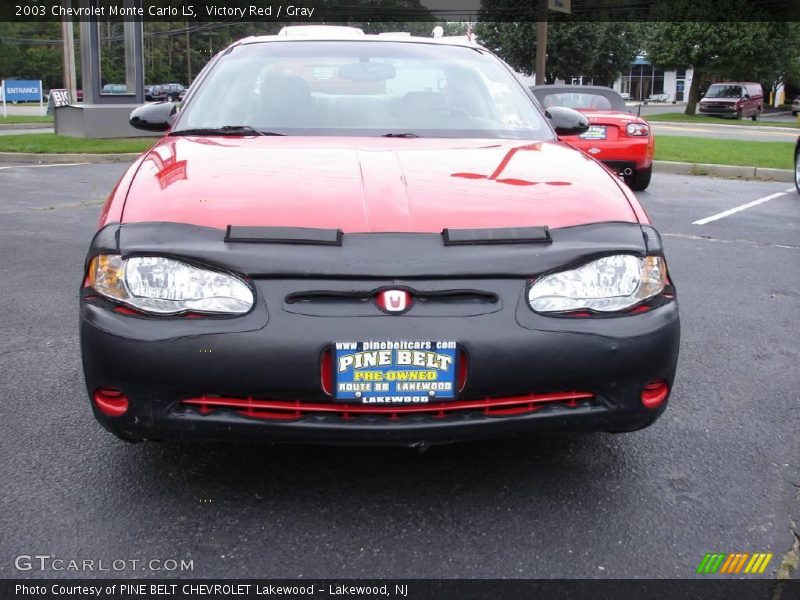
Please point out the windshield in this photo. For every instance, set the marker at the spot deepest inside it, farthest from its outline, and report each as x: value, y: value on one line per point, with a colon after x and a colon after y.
x: 580, y: 100
x: 364, y: 88
x: 724, y: 91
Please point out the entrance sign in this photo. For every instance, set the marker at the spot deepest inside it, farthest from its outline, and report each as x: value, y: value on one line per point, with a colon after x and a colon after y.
x: 21, y: 90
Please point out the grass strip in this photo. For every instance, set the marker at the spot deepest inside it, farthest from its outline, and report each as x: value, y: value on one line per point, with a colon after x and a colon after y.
x: 50, y: 143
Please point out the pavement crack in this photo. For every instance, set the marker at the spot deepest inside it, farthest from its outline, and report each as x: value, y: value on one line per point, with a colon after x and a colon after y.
x: 791, y: 559
x: 708, y: 238
x: 59, y: 207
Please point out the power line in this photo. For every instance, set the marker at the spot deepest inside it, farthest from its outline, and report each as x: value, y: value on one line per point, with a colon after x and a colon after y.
x: 151, y: 34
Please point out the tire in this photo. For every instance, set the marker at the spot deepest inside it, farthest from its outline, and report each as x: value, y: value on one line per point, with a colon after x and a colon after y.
x: 794, y: 113
x: 797, y: 171
x: 169, y: 98
x: 756, y: 115
x: 640, y: 179
x: 738, y: 115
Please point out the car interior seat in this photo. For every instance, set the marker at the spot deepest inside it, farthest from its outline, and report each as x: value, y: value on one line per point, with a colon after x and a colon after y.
x: 284, y: 101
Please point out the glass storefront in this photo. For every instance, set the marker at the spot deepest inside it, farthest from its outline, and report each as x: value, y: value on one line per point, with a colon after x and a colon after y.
x: 643, y: 81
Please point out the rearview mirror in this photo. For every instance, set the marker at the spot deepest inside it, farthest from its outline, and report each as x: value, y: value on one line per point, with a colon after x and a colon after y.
x: 567, y: 121
x: 154, y: 117
x: 367, y: 72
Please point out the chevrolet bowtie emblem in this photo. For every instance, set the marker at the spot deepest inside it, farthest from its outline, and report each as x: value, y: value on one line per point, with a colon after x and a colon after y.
x: 394, y: 301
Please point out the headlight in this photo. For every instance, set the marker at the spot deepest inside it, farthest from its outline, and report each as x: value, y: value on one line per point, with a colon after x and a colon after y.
x: 637, y: 129
x: 165, y: 286
x: 607, y: 284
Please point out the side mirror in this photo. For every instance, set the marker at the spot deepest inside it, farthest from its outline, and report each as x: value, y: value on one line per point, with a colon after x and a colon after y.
x: 567, y: 121
x: 746, y: 96
x: 154, y: 117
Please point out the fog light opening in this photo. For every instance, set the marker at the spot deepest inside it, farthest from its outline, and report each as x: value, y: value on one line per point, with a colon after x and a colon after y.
x: 326, y: 372
x: 655, y: 393
x: 463, y: 369
x: 110, y: 401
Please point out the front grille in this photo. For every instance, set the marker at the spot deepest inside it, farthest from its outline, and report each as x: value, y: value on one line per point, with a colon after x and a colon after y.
x: 283, y: 410
x: 716, y: 107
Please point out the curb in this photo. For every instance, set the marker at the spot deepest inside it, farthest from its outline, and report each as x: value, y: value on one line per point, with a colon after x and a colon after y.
x: 34, y: 127
x: 684, y: 168
x: 28, y: 157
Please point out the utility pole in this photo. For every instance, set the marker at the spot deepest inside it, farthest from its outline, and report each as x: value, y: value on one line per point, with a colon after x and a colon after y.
x: 129, y: 37
x: 68, y: 41
x: 541, y: 41
x: 188, y: 58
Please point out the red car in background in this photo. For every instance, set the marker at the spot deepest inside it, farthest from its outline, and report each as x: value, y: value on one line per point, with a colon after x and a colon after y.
x: 620, y: 140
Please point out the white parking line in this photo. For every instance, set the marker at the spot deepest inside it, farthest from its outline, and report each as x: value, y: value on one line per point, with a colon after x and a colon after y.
x: 740, y: 208
x: 43, y: 166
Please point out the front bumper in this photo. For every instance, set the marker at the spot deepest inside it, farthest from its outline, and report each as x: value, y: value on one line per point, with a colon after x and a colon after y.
x: 222, y: 378
x: 508, y: 356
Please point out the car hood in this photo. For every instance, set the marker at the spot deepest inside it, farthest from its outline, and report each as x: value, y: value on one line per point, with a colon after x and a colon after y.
x: 372, y: 184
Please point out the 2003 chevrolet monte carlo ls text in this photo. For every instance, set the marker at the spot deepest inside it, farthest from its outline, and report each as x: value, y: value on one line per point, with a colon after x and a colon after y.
x: 364, y: 239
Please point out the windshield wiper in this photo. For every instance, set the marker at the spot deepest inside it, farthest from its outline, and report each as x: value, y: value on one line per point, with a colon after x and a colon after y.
x: 400, y: 135
x: 224, y: 130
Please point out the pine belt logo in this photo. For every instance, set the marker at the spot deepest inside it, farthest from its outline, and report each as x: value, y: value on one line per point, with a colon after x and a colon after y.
x: 395, y: 372
x: 736, y: 563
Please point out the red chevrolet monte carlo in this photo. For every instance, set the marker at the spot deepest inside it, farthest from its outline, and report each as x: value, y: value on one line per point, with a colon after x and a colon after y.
x: 371, y: 240
x: 620, y: 140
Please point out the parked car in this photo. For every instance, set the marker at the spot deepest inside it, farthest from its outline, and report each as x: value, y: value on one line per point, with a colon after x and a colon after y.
x: 619, y: 139
x: 734, y: 100
x: 148, y: 92
x: 403, y: 261
x: 796, y: 106
x: 114, y: 88
x: 169, y: 92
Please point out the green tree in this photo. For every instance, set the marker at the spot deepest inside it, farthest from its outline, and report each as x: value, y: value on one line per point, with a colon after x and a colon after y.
x: 749, y: 50
x: 45, y: 63
x: 600, y: 50
x: 31, y: 51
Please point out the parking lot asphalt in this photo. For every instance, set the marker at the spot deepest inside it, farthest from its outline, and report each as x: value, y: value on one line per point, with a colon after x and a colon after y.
x: 719, y: 472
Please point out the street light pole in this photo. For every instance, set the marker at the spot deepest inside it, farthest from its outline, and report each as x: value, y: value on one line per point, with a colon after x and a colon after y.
x: 188, y: 58
x: 541, y: 41
x: 68, y: 40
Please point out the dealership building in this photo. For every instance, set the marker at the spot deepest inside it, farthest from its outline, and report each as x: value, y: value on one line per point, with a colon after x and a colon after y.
x: 645, y: 81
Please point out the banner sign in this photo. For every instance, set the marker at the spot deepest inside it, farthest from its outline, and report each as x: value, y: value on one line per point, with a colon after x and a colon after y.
x: 59, y: 98
x: 411, y: 589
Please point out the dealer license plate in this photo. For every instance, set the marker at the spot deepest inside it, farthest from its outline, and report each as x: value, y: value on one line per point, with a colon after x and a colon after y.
x: 385, y: 372
x: 595, y: 132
